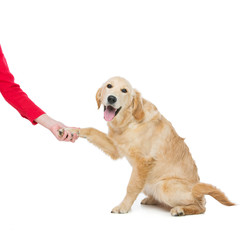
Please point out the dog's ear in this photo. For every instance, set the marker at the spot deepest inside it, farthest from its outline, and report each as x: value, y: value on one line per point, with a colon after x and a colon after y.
x: 98, y: 97
x: 138, y: 112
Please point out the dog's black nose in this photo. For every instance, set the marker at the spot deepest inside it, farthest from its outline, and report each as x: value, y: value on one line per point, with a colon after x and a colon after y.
x: 111, y: 99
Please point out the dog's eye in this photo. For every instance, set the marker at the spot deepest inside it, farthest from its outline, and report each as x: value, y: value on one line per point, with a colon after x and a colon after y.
x: 124, y: 90
x: 109, y: 86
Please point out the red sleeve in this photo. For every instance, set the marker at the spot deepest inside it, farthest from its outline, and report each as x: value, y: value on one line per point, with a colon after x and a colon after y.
x: 14, y: 95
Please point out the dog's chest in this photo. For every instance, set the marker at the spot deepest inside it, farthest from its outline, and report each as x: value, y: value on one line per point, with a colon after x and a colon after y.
x: 126, y: 139
x: 124, y: 145
x: 128, y: 142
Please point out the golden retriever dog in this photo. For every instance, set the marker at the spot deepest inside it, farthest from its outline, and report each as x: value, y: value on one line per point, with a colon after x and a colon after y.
x: 162, y: 166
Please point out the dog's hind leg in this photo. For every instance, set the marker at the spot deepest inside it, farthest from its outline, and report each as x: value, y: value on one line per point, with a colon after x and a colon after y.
x: 177, y: 193
x: 149, y: 201
x: 188, y: 210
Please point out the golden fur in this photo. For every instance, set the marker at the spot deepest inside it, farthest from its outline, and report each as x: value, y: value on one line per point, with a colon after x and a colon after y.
x: 162, y: 166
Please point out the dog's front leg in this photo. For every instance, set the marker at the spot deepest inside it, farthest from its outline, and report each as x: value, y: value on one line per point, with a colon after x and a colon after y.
x: 97, y: 138
x: 135, y: 186
x: 100, y: 140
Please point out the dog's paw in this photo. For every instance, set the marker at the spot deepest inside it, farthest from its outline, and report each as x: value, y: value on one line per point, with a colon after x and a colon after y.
x: 149, y: 201
x: 61, y: 132
x: 71, y: 130
x: 120, y: 209
x: 177, y: 211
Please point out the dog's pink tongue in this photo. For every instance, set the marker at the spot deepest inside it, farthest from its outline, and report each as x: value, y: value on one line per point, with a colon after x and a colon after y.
x: 109, y: 114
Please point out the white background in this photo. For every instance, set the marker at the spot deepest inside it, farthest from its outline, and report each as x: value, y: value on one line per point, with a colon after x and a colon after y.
x: 184, y: 56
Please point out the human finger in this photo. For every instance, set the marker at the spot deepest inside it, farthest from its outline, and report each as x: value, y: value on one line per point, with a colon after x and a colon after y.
x: 74, y: 138
x: 68, y: 137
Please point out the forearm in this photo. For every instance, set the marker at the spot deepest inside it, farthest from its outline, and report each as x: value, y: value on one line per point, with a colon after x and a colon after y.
x: 14, y: 95
x: 46, y: 121
x: 17, y: 98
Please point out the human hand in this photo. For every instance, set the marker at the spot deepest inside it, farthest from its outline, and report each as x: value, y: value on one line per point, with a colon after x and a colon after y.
x: 67, y: 136
x: 54, y: 126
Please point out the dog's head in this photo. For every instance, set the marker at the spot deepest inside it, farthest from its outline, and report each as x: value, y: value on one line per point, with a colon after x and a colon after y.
x: 118, y: 97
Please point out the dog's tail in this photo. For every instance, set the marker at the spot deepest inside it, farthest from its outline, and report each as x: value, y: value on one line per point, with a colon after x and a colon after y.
x: 201, y: 189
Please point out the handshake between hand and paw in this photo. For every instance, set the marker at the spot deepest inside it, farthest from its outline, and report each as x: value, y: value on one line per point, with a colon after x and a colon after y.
x: 75, y: 133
